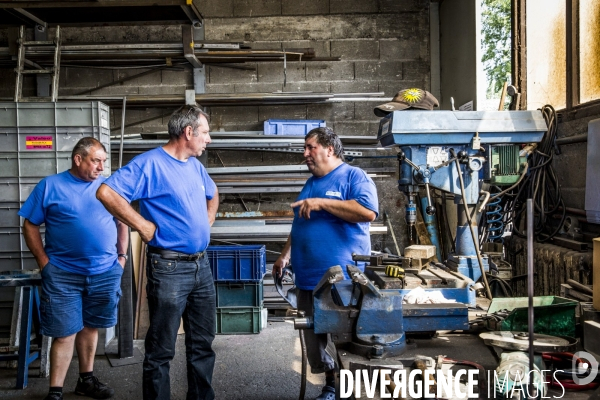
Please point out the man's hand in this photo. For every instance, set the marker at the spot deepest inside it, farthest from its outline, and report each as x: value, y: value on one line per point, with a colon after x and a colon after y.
x: 122, y: 261
x: 279, y: 265
x: 42, y: 262
x: 147, y: 232
x: 308, y: 205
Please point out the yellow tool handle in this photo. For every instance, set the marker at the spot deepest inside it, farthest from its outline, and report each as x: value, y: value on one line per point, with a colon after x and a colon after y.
x: 394, y: 271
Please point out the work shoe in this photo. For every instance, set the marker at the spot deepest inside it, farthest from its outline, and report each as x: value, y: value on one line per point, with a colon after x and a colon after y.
x: 328, y: 393
x: 93, y: 388
x: 54, y: 396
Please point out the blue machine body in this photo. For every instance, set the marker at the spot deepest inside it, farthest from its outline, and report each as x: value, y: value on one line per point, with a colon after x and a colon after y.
x: 429, y: 138
x: 373, y: 322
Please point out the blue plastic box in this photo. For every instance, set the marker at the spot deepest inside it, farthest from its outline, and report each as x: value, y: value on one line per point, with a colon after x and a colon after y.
x: 291, y: 127
x: 246, y: 263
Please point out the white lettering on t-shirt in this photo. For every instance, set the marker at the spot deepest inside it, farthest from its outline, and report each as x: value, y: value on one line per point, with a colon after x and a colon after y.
x: 334, y: 194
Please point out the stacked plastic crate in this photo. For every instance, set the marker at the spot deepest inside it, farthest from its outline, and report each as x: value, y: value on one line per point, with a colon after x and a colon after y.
x: 238, y: 274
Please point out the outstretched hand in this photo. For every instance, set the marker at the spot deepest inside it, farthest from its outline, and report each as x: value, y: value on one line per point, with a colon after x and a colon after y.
x: 306, y: 206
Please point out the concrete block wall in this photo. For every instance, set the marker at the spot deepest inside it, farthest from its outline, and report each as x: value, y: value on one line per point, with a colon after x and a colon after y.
x: 383, y: 46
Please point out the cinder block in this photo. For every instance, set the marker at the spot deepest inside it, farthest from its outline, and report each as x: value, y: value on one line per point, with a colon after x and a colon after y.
x: 266, y: 87
x: 306, y: 7
x: 419, y: 251
x: 355, y: 86
x: 316, y: 87
x: 118, y: 90
x: 270, y: 28
x: 152, y: 78
x: 364, y: 111
x: 351, y: 128
x: 379, y: 70
x: 166, y: 90
x: 320, y: 47
x: 331, y: 112
x: 415, y: 70
x: 219, y: 87
x: 86, y: 77
x: 215, y: 9
x: 395, y: 6
x: 224, y: 126
x: 295, y: 111
x: 373, y: 129
x: 233, y: 115
x: 402, y: 26
x: 273, y: 71
x: 397, y: 50
x: 185, y: 77
x: 355, y: 49
x: 256, y: 8
x: 352, y: 6
x: 354, y: 26
x: 124, y: 33
x: 230, y: 75
x: 326, y: 71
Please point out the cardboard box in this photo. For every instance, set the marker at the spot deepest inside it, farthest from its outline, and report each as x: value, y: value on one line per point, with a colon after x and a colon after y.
x: 596, y: 273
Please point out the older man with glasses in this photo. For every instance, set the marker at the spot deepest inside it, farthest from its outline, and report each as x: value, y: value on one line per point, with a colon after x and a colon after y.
x: 178, y: 203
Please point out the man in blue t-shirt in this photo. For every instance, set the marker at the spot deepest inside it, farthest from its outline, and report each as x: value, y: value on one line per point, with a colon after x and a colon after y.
x: 81, y: 265
x: 178, y: 203
x: 331, y: 221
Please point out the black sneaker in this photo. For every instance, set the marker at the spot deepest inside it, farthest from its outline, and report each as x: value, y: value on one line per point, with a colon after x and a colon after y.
x: 93, y: 388
x: 54, y: 396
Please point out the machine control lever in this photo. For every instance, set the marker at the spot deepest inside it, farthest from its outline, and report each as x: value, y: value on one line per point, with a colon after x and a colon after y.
x: 430, y: 210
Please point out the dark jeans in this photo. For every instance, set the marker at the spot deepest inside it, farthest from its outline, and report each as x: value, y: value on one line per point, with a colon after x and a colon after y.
x: 179, y: 289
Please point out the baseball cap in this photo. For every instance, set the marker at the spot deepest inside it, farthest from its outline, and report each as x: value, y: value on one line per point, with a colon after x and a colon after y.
x: 408, y: 98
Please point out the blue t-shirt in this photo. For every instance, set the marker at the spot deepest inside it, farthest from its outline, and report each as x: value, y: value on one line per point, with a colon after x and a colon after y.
x: 325, y: 240
x: 172, y: 194
x: 81, y: 236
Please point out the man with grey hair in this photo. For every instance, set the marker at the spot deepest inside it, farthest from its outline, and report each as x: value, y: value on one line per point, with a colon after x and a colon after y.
x: 178, y: 203
x: 81, y: 265
x: 331, y: 221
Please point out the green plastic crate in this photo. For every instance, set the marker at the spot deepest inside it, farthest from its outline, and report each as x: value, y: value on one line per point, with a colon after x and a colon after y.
x: 238, y: 320
x: 239, y: 294
x: 553, y: 315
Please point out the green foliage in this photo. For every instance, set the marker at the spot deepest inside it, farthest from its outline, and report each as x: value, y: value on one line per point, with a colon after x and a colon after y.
x: 496, y: 41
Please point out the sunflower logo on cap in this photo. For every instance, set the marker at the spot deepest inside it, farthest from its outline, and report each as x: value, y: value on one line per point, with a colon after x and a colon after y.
x: 412, y: 98
x: 412, y: 95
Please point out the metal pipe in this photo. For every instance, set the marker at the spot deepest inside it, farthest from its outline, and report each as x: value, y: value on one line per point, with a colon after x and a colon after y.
x: 473, y: 234
x: 122, y: 131
x: 530, y: 234
x: 573, y: 139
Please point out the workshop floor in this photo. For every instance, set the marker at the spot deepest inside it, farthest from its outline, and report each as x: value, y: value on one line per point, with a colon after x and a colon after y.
x: 250, y: 367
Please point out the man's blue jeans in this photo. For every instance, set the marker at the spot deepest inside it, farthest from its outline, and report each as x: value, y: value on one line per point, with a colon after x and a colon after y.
x: 179, y: 289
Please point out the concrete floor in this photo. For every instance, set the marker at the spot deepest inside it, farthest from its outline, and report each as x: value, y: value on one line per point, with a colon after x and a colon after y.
x: 250, y: 367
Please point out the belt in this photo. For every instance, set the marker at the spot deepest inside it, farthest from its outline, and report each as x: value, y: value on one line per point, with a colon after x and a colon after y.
x: 175, y: 255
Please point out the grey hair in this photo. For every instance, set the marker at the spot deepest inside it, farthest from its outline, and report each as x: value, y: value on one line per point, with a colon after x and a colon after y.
x: 184, y: 116
x: 326, y: 137
x: 83, y: 146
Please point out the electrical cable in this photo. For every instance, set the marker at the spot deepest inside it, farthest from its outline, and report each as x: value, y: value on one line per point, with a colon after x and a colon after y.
x: 541, y: 185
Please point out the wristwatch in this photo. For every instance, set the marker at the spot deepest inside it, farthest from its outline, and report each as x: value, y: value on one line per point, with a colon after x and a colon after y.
x: 124, y: 256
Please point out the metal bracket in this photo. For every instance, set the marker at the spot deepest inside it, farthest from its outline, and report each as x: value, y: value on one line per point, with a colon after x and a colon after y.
x: 187, y: 37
